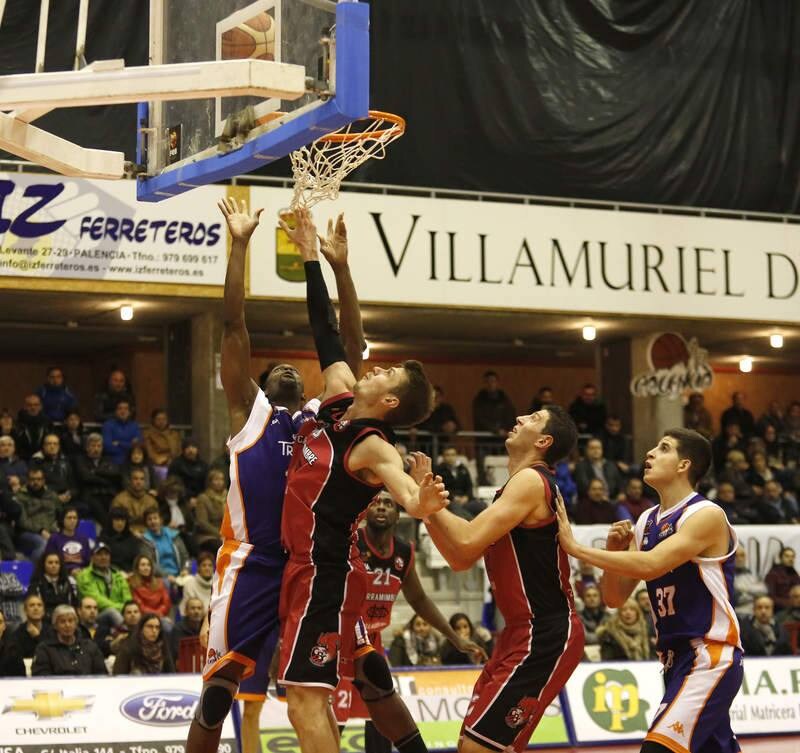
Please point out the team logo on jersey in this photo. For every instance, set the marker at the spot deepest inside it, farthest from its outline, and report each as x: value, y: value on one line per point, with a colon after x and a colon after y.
x: 611, y: 698
x: 213, y: 656
x: 341, y: 425
x: 645, y: 540
x: 377, y: 612
x: 399, y: 563
x: 677, y: 728
x: 515, y: 717
x: 325, y: 649
x: 316, y: 433
x: 665, y: 530
x: 648, y: 525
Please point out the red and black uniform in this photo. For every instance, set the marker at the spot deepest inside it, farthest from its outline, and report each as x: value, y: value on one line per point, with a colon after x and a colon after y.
x: 324, y: 585
x: 542, y: 641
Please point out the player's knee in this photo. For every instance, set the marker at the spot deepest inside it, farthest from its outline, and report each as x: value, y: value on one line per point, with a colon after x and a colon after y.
x: 215, y: 702
x: 375, y: 678
x: 252, y: 709
x: 306, y: 706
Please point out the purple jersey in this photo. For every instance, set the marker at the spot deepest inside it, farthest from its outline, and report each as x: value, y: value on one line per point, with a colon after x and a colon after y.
x: 693, y: 600
x: 260, y: 454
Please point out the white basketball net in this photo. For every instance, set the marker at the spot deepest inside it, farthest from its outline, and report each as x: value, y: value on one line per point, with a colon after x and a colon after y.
x: 319, y: 168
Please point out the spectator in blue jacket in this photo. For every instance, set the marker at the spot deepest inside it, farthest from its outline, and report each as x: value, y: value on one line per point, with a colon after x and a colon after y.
x: 170, y: 552
x: 57, y: 399
x: 120, y: 433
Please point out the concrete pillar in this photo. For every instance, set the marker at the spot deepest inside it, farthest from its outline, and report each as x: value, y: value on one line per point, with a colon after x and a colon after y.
x: 209, y: 408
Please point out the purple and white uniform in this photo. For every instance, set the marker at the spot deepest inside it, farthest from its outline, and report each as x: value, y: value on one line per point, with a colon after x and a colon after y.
x: 697, y: 638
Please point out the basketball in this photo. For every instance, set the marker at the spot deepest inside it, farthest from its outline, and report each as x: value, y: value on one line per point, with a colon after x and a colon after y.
x: 668, y: 349
x: 255, y: 38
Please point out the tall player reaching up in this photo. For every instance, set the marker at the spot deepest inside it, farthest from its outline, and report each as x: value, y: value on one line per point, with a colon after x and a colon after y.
x: 542, y: 641
x: 245, y: 593
x: 339, y: 463
x: 685, y: 550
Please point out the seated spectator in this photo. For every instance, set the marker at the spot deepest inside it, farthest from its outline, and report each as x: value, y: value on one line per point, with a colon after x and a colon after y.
x: 210, y: 511
x: 37, y: 520
x: 697, y: 417
x: 617, y: 447
x: 136, y: 501
x: 12, y: 596
x: 8, y: 426
x: 170, y: 552
x: 730, y: 438
x: 738, y: 414
x: 737, y: 511
x: 761, y: 634
x: 163, y: 443
x: 643, y: 600
x: 11, y: 663
x: 458, y: 482
x: 773, y: 447
x: 146, y: 651
x: 57, y: 469
x: 74, y: 548
x: 735, y: 470
x: 98, y: 478
x: 416, y: 645
x: 88, y: 626
x: 588, y: 411
x: 543, y: 397
x: 199, y: 586
x: 109, y: 639
x: 773, y: 417
x: 66, y: 652
x: 190, y: 468
x: 26, y: 636
x: 188, y: 627
x: 792, y: 612
x: 148, y: 590
x: 223, y: 463
x: 595, y: 466
x: 567, y: 485
x: 138, y: 460
x: 52, y: 582
x: 105, y: 584
x: 635, y: 502
x: 120, y: 433
x: 596, y: 507
x: 747, y: 586
x: 759, y: 472
x: 781, y: 577
x: 57, y: 399
x: 72, y: 435
x: 176, y: 509
x: 124, y: 545
x: 493, y: 412
x: 10, y: 512
x: 117, y: 390
x: 593, y: 614
x: 443, y: 419
x: 776, y: 506
x: 464, y: 629
x: 32, y: 426
x: 625, y: 635
x: 10, y: 463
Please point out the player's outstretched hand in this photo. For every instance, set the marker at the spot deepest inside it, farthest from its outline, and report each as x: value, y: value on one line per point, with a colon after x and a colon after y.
x: 476, y: 654
x: 303, y: 234
x: 334, y: 245
x: 419, y: 464
x: 619, y: 536
x: 565, y: 535
x: 241, y: 223
x: 432, y: 496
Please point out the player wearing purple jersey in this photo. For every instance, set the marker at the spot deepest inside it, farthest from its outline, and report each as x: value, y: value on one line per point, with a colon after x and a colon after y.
x: 685, y: 550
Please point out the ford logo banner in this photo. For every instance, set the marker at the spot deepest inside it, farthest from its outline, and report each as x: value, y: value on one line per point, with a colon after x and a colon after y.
x: 167, y: 708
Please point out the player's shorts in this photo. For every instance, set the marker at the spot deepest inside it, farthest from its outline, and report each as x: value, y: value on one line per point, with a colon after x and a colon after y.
x: 319, y: 610
x: 530, y: 664
x: 255, y: 687
x: 701, y: 682
x: 244, y: 607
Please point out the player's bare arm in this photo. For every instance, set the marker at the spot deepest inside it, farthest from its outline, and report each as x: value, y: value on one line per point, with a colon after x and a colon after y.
x: 377, y: 462
x: 337, y: 374
x: 240, y: 389
x: 616, y: 589
x: 462, y: 543
x: 423, y: 605
x: 704, y: 534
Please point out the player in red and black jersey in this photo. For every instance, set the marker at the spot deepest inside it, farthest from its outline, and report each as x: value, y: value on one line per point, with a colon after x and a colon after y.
x: 339, y: 462
x: 542, y: 641
x: 389, y: 562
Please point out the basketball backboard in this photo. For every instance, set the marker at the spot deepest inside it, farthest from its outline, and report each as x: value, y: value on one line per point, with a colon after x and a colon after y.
x: 186, y: 143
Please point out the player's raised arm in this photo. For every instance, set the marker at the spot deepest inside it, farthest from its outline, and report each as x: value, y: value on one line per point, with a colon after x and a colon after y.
x: 240, y: 389
x: 337, y: 374
x: 334, y: 248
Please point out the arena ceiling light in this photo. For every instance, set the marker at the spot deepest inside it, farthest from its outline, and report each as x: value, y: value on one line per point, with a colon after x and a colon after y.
x: 746, y: 364
x: 126, y: 312
x: 589, y: 332
x: 776, y: 340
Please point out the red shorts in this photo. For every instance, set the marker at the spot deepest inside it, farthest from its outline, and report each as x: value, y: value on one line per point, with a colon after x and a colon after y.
x: 319, y: 608
x: 347, y: 701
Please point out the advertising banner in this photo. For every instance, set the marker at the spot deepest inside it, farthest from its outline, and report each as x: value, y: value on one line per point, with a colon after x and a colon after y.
x: 437, y: 699
x: 613, y: 701
x: 101, y: 714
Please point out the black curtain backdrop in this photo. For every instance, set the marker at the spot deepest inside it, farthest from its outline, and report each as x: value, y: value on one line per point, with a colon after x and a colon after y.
x: 662, y: 101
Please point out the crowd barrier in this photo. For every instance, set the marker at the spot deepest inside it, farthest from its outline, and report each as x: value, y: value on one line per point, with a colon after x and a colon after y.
x: 603, y: 702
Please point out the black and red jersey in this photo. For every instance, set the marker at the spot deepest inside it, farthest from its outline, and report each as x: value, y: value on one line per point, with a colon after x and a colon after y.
x: 528, y: 570
x: 385, y: 577
x: 324, y: 501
